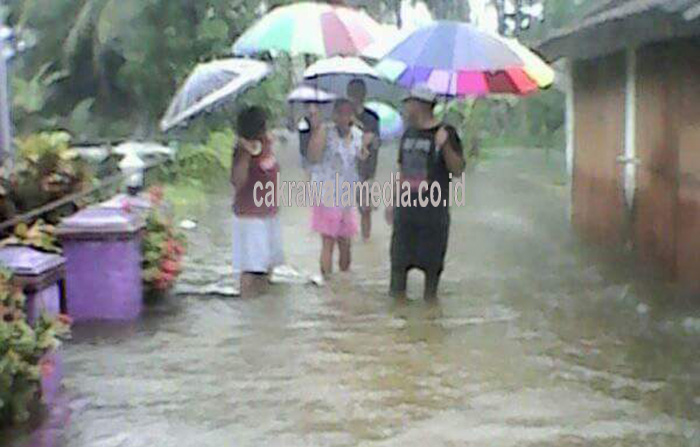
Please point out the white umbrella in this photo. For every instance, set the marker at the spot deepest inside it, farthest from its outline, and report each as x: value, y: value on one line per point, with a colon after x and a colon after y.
x: 304, y: 95
x: 210, y: 84
x: 334, y: 74
x: 310, y: 94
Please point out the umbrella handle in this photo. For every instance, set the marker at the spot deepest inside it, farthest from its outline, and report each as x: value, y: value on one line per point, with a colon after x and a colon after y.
x: 443, y: 121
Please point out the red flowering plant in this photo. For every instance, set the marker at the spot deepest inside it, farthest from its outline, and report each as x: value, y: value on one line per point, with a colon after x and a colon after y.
x: 23, y: 350
x: 163, y: 248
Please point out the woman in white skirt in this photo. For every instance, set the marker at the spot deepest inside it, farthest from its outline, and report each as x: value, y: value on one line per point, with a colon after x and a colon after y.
x: 257, y: 236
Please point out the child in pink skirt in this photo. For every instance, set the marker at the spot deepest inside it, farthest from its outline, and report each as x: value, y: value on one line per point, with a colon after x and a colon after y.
x: 333, y: 151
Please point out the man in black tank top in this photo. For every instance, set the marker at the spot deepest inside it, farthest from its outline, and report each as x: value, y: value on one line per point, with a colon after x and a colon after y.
x: 429, y: 152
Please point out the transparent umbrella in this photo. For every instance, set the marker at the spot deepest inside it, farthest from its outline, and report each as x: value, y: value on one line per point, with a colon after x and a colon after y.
x: 210, y: 85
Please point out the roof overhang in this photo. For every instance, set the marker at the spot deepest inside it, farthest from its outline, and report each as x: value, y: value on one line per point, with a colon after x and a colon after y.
x: 634, y: 23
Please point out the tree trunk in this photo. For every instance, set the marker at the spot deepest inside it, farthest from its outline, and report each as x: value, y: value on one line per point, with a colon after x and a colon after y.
x: 464, y: 10
x: 441, y: 9
x: 397, y: 11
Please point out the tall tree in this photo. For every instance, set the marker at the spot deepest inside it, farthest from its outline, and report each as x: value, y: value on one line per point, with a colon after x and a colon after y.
x: 127, y: 56
x: 449, y: 9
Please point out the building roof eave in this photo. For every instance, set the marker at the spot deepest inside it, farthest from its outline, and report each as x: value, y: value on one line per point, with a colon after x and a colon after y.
x: 632, y: 24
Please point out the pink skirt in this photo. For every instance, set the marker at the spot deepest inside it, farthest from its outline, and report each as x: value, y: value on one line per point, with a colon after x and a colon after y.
x: 334, y: 222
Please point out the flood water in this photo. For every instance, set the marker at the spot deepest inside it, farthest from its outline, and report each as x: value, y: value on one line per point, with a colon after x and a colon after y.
x: 536, y: 341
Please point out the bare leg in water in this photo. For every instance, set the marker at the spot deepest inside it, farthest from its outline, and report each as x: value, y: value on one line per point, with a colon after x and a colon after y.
x: 327, y: 255
x: 366, y: 222
x: 344, y: 245
x: 253, y: 284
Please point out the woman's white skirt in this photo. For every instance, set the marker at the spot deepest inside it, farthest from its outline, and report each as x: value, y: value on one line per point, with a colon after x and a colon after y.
x: 257, y: 244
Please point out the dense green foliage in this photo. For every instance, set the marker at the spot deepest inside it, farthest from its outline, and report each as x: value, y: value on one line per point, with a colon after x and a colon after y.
x: 200, y: 164
x: 537, y: 120
x: 47, y: 168
x: 106, y: 69
x: 39, y: 236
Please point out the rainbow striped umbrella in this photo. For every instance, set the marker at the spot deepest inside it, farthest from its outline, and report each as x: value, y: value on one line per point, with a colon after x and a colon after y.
x: 457, y: 60
x: 310, y: 28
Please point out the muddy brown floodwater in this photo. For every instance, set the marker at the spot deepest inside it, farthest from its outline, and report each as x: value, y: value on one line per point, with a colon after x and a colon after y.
x: 536, y: 341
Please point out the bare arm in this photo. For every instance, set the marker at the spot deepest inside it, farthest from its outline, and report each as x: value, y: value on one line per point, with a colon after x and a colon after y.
x: 453, y: 160
x: 317, y: 143
x: 240, y: 167
x: 367, y: 140
x: 451, y: 154
x: 389, y: 212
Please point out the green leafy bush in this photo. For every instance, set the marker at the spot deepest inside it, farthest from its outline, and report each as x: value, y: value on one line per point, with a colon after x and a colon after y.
x: 272, y: 92
x: 205, y: 164
x: 39, y: 236
x: 22, y: 350
x: 30, y: 97
x: 533, y: 121
x: 47, y: 169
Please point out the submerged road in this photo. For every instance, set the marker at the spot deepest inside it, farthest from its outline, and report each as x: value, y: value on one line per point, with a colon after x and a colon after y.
x: 536, y: 341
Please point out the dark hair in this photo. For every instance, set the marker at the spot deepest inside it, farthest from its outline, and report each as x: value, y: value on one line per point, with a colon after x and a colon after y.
x: 340, y: 102
x: 357, y: 82
x: 251, y: 122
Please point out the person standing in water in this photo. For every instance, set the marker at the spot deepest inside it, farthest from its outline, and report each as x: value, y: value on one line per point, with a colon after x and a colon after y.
x: 369, y: 122
x: 429, y: 153
x: 257, y: 236
x: 334, y: 150
x: 304, y: 131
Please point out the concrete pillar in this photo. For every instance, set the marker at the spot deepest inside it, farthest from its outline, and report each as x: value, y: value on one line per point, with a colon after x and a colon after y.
x: 102, y: 247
